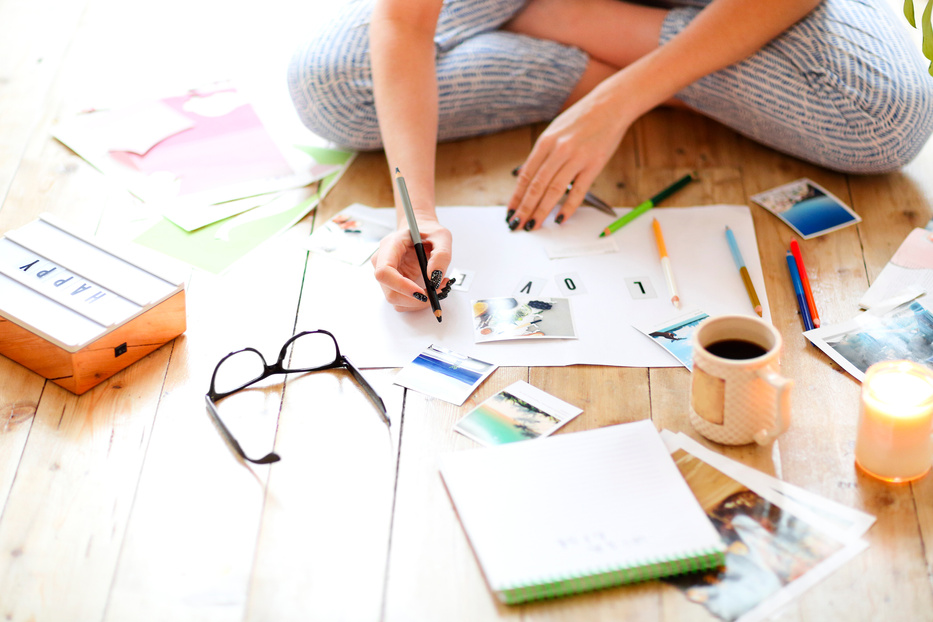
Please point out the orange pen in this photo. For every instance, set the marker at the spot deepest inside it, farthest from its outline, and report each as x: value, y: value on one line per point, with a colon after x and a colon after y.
x: 666, y: 263
x: 795, y: 250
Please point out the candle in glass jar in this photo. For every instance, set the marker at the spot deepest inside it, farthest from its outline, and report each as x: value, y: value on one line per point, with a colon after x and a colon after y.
x: 895, y: 421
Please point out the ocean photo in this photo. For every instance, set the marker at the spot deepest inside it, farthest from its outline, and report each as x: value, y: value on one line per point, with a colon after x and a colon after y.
x: 518, y: 413
x: 816, y: 215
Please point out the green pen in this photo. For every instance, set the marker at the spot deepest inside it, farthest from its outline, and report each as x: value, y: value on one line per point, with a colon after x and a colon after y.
x: 647, y: 205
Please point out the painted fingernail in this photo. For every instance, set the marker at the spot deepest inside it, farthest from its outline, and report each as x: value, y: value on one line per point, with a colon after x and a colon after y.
x: 509, y: 215
x: 443, y: 293
x: 513, y: 224
x: 559, y: 219
x: 530, y: 225
x: 420, y: 297
x: 436, y: 277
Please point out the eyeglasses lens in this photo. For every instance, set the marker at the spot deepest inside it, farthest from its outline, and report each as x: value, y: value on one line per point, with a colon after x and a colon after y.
x: 310, y: 351
x: 238, y: 370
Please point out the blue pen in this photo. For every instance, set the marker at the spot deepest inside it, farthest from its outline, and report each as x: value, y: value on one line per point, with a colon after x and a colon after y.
x: 798, y: 289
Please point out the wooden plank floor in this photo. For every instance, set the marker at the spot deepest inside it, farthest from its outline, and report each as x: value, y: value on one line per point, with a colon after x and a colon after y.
x: 125, y: 504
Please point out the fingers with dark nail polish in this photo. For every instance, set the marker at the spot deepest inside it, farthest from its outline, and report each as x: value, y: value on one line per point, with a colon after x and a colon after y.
x: 559, y: 219
x: 420, y: 297
x: 509, y: 215
x: 530, y: 225
x: 513, y: 224
x: 436, y: 277
x: 443, y: 293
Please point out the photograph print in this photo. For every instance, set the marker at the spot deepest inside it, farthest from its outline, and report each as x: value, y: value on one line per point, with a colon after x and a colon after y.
x: 349, y: 236
x: 520, y: 412
x: 807, y: 208
x: 903, y: 333
x: 674, y: 334
x: 522, y: 317
x: 768, y: 548
x: 444, y: 374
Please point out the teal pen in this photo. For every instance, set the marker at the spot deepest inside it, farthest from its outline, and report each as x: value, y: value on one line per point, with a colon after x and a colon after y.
x: 798, y: 290
x: 743, y: 271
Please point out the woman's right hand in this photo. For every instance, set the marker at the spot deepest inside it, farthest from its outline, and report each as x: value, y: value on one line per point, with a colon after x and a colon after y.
x: 397, y: 269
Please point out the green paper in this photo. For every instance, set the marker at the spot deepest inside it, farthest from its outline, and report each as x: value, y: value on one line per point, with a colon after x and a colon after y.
x: 202, y: 248
x: 323, y: 155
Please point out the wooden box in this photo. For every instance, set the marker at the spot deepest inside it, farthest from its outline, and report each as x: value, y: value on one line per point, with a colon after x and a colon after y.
x: 77, y: 312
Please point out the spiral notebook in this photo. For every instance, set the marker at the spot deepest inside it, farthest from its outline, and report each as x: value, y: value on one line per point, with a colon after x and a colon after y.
x: 579, y: 512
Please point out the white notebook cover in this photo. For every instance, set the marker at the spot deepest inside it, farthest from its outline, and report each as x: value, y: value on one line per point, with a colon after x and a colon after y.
x: 580, y: 511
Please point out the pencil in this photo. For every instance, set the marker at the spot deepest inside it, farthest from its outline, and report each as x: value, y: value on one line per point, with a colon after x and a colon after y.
x: 798, y: 290
x: 805, y: 280
x: 419, y: 247
x: 666, y: 263
x: 647, y: 205
x: 740, y: 264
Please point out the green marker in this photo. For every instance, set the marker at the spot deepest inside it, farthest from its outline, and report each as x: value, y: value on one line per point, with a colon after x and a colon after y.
x: 647, y: 205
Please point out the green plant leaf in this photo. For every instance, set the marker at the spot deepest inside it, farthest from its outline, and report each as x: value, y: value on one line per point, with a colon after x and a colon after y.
x: 909, y: 12
x: 927, y: 29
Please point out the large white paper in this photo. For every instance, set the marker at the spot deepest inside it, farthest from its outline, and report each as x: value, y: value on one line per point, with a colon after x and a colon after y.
x: 621, y: 289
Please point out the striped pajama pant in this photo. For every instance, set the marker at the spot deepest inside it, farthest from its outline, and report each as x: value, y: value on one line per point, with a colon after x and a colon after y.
x: 844, y: 88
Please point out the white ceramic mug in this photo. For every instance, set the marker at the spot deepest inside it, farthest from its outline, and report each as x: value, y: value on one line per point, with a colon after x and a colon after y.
x: 737, y: 395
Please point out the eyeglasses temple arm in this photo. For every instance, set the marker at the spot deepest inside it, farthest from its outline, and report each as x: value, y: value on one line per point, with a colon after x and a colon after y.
x: 269, y: 458
x: 370, y: 391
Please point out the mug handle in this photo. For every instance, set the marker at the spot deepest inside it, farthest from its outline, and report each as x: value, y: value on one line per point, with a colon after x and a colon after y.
x: 782, y: 387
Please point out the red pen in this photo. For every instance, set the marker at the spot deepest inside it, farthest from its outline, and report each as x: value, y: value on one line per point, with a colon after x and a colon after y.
x: 798, y: 258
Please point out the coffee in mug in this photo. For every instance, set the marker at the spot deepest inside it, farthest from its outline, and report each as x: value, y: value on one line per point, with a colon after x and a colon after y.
x: 737, y: 395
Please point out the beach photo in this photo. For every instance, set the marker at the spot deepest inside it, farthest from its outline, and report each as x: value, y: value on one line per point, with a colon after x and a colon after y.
x: 444, y: 374
x: 518, y: 413
x: 807, y: 208
x: 674, y: 334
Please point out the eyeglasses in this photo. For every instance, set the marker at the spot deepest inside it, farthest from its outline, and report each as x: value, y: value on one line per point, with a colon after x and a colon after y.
x: 313, y: 350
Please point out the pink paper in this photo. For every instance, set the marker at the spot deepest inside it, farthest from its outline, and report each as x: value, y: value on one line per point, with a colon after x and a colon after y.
x: 916, y: 251
x: 218, y: 151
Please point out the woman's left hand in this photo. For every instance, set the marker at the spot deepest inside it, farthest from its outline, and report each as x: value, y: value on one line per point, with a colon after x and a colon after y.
x: 574, y: 148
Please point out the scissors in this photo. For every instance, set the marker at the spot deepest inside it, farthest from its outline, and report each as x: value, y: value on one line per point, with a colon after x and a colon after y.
x: 588, y: 199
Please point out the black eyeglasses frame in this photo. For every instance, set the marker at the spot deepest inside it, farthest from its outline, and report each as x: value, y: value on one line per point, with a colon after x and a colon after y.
x: 340, y: 362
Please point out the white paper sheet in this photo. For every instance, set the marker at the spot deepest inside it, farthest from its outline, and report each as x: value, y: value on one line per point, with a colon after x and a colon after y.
x: 909, y: 270
x: 373, y: 334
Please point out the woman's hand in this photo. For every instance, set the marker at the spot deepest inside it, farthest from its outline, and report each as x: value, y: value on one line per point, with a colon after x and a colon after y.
x: 573, y: 149
x: 397, y: 270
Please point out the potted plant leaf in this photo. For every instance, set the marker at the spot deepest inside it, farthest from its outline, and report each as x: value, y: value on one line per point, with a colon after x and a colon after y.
x: 925, y: 27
